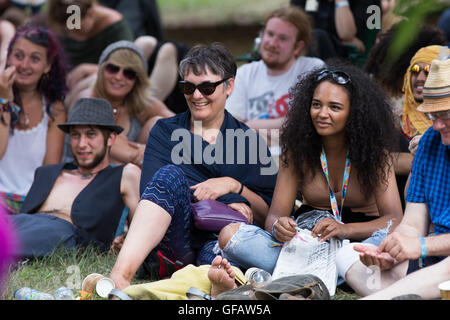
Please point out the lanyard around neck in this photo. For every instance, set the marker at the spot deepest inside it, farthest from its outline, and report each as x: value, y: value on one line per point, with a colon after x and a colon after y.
x: 333, y: 201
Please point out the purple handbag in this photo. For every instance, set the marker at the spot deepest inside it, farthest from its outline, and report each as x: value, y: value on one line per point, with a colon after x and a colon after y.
x: 213, y: 215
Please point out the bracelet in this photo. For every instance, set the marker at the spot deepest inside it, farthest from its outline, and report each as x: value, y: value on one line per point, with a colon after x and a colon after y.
x: 4, y: 101
x: 273, y: 228
x: 241, y: 189
x: 8, y: 105
x: 341, y: 4
x: 423, y: 248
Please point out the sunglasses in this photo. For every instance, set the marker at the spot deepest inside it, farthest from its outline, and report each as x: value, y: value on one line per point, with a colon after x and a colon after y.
x: 416, y: 69
x: 127, y: 73
x: 339, y: 76
x: 206, y: 88
x: 443, y: 115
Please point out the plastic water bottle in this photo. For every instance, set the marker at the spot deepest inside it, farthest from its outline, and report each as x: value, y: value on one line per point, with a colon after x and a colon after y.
x: 26, y: 293
x: 258, y: 277
x: 64, y: 293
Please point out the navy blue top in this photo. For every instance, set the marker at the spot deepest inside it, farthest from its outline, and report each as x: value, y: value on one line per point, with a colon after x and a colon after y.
x: 430, y: 177
x: 239, y: 153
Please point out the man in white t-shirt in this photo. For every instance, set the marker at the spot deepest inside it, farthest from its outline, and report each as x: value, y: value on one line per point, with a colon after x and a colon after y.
x: 261, y: 94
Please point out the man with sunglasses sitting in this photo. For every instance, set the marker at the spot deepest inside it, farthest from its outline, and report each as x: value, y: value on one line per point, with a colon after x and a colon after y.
x: 411, y: 260
x: 261, y: 94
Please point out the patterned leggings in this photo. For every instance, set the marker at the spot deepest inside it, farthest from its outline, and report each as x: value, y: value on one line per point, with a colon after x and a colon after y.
x: 169, y: 189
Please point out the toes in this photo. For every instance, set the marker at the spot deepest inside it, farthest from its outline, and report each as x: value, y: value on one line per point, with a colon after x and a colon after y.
x: 217, y: 261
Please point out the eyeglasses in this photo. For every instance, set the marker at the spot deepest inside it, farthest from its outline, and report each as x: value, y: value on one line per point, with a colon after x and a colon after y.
x: 339, y: 76
x: 127, y: 73
x: 416, y: 69
x: 443, y: 115
x: 206, y: 88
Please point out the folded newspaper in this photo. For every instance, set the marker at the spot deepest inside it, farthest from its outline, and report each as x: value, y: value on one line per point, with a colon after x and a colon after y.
x: 304, y: 254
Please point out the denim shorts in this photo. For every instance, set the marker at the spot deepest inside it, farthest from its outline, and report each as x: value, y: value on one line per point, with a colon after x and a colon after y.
x: 252, y: 246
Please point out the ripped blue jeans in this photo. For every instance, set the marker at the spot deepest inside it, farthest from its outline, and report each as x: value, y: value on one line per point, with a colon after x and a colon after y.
x: 252, y: 246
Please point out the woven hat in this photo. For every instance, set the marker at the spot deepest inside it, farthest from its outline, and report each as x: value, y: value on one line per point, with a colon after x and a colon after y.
x: 436, y: 91
x: 122, y: 44
x: 91, y: 112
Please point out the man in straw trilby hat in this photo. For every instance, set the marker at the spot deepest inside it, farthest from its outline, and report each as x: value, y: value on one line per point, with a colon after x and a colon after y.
x: 411, y: 260
x: 79, y: 203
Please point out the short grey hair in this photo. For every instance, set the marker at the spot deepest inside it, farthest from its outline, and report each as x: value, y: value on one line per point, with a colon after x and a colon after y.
x: 214, y: 57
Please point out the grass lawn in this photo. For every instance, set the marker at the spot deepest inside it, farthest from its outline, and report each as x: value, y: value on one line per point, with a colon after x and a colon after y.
x: 69, y: 269
x: 59, y: 269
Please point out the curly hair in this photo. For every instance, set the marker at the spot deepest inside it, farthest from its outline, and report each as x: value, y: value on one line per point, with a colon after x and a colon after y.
x: 370, y: 129
x: 52, y: 85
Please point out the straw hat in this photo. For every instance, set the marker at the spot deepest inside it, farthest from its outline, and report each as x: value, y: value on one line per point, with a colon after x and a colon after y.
x: 91, y: 112
x: 436, y: 91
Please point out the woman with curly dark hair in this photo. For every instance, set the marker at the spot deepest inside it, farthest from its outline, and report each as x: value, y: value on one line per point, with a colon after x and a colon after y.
x: 336, y: 144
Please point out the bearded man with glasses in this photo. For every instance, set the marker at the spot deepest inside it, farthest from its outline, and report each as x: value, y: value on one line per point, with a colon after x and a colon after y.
x: 414, y: 259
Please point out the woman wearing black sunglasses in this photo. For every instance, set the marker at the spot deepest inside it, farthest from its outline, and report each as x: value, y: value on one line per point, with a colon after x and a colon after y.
x: 122, y: 80
x: 172, y: 178
x: 335, y: 147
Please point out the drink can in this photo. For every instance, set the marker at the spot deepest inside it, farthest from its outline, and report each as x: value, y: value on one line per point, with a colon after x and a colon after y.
x: 258, y: 277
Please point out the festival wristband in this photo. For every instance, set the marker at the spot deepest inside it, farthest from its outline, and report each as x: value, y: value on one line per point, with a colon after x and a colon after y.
x: 8, y: 105
x: 273, y: 228
x: 241, y: 189
x: 341, y: 4
x: 423, y: 247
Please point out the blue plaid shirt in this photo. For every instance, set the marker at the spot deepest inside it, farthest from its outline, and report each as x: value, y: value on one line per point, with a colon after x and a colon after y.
x: 430, y: 179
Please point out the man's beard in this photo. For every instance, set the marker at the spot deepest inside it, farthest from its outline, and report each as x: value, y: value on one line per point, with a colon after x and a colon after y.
x: 98, y: 158
x: 270, y: 63
x: 274, y: 64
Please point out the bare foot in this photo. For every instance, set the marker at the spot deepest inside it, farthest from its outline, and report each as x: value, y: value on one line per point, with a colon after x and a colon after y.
x: 221, y: 276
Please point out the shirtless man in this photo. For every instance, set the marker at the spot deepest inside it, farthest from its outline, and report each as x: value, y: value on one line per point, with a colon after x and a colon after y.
x: 79, y: 203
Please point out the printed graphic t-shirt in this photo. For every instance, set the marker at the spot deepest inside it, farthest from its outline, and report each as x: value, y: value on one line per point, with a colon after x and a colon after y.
x: 257, y: 95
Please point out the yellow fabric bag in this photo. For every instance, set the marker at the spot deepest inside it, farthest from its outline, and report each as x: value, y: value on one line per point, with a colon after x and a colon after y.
x: 175, y: 288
